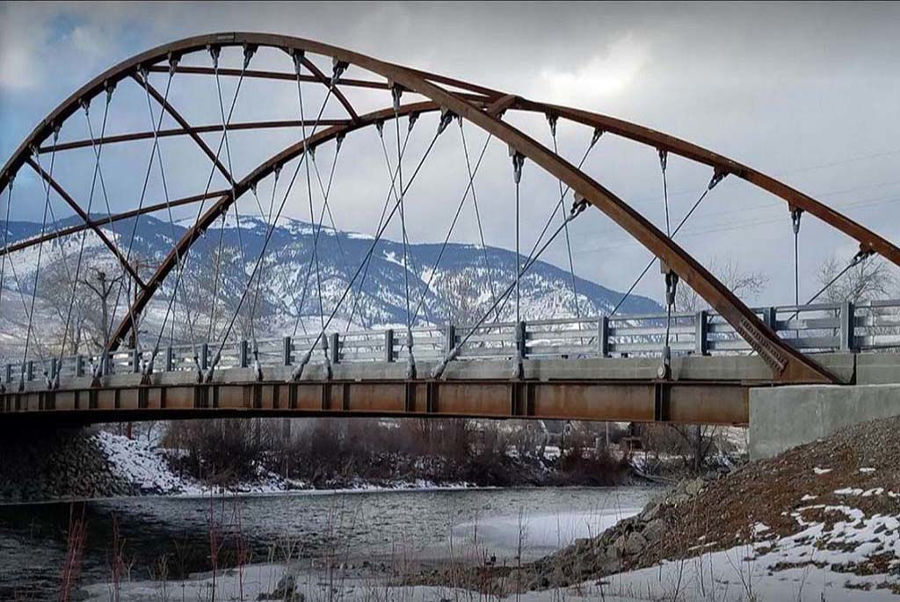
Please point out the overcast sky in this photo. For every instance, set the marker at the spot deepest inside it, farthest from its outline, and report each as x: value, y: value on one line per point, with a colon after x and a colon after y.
x: 808, y: 92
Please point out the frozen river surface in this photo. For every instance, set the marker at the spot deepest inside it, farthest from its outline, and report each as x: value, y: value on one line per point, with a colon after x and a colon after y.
x: 177, y: 537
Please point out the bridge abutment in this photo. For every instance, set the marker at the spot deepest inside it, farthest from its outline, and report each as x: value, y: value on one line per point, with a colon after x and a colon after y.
x: 784, y: 417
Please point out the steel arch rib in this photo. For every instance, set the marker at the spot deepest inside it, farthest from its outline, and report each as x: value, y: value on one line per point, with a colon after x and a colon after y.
x: 788, y: 365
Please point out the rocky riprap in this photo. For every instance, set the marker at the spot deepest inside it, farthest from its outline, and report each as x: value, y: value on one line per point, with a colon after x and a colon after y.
x: 42, y: 464
x: 853, y: 475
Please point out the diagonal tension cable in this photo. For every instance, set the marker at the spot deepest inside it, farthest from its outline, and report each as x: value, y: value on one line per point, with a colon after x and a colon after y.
x: 577, y: 208
x: 716, y: 178
x: 379, y: 126
x: 298, y: 371
x: 469, y: 186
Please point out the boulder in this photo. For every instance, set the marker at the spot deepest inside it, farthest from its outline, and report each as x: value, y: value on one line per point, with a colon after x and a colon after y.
x: 635, y: 544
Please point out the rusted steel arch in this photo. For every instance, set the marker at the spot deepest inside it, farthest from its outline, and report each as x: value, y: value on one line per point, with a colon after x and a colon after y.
x: 787, y: 364
x: 109, y: 219
x: 227, y: 199
x: 868, y: 241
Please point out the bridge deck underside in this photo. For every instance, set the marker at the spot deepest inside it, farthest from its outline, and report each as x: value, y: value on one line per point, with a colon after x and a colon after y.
x: 643, y: 401
x: 702, y: 389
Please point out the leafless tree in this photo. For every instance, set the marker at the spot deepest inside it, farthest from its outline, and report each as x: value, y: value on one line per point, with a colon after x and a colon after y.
x: 745, y: 284
x: 867, y: 280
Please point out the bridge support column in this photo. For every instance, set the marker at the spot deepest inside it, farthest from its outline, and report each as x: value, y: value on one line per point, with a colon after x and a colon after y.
x: 848, y: 324
x: 286, y: 351
x: 603, y: 337
x: 389, y: 345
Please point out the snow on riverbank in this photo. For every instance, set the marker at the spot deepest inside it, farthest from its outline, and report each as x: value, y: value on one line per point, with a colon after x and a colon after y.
x: 146, y: 468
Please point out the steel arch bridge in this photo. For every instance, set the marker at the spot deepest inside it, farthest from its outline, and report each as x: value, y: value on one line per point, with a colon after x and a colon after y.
x: 578, y: 382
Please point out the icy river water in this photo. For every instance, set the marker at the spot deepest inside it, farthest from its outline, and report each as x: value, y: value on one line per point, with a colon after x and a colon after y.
x: 174, y: 537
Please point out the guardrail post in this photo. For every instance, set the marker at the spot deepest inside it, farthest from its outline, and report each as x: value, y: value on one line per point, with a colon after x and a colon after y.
x: 770, y: 318
x: 135, y: 361
x: 286, y: 351
x: 204, y: 356
x: 848, y: 324
x: 8, y: 378
x: 701, y: 323
x: 244, y: 353
x: 603, y: 336
x: 29, y: 370
x: 449, y: 338
x: 54, y: 368
x: 79, y: 365
x: 334, y: 346
x: 170, y: 359
x: 521, y: 339
x: 389, y: 345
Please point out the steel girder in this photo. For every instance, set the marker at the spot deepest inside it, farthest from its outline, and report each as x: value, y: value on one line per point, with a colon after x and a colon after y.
x: 470, y: 102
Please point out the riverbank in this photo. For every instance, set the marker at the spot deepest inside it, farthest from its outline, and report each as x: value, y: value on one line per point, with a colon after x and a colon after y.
x: 823, y: 517
x: 78, y: 464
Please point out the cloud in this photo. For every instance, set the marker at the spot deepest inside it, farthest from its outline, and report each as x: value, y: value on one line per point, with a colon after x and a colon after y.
x: 601, y: 76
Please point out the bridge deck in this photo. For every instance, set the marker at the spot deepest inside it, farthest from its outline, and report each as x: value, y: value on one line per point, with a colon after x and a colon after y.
x: 702, y: 389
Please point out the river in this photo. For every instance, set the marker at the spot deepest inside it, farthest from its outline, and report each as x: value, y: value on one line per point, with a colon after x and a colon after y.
x: 173, y: 537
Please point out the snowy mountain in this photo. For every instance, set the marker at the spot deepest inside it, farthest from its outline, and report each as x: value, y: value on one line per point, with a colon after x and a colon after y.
x: 462, y: 287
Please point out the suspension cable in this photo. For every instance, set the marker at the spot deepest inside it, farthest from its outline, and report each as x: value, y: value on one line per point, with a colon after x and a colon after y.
x: 552, y: 121
x: 716, y: 178
x: 156, y: 125
x: 396, y: 92
x: 796, y: 214
x: 379, y: 126
x: 180, y: 271
x: 298, y: 371
x: 84, y: 232
x: 37, y: 272
x: 577, y: 208
x: 484, y: 254
x: 469, y: 186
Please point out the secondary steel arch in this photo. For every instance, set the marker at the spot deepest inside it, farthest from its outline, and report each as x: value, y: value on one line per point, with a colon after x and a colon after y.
x: 482, y: 106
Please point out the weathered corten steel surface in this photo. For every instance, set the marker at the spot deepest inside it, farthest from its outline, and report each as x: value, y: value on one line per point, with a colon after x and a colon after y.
x: 482, y: 107
x: 639, y: 401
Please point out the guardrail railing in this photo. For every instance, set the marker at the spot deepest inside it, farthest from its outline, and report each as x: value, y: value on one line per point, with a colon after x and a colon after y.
x: 815, y: 328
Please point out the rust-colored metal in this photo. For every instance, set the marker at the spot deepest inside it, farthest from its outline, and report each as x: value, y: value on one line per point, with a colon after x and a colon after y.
x: 200, y: 129
x: 165, y: 104
x: 868, y: 240
x: 223, y: 203
x: 787, y: 365
x: 84, y: 216
x: 325, y: 81
x: 724, y: 403
x: 94, y: 224
x: 343, y: 82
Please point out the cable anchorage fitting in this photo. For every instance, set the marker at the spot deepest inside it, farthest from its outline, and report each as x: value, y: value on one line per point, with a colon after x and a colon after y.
x: 518, y: 161
x: 297, y: 55
x: 663, y: 156
x: 446, y: 119
x: 551, y: 121
x: 249, y: 51
x: 718, y: 175
x: 671, y: 286
x: 396, y: 93
x: 578, y: 206
x: 214, y: 52
x: 796, y: 214
x: 338, y: 68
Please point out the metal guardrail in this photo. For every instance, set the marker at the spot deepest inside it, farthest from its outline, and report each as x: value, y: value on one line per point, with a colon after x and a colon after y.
x: 810, y: 328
